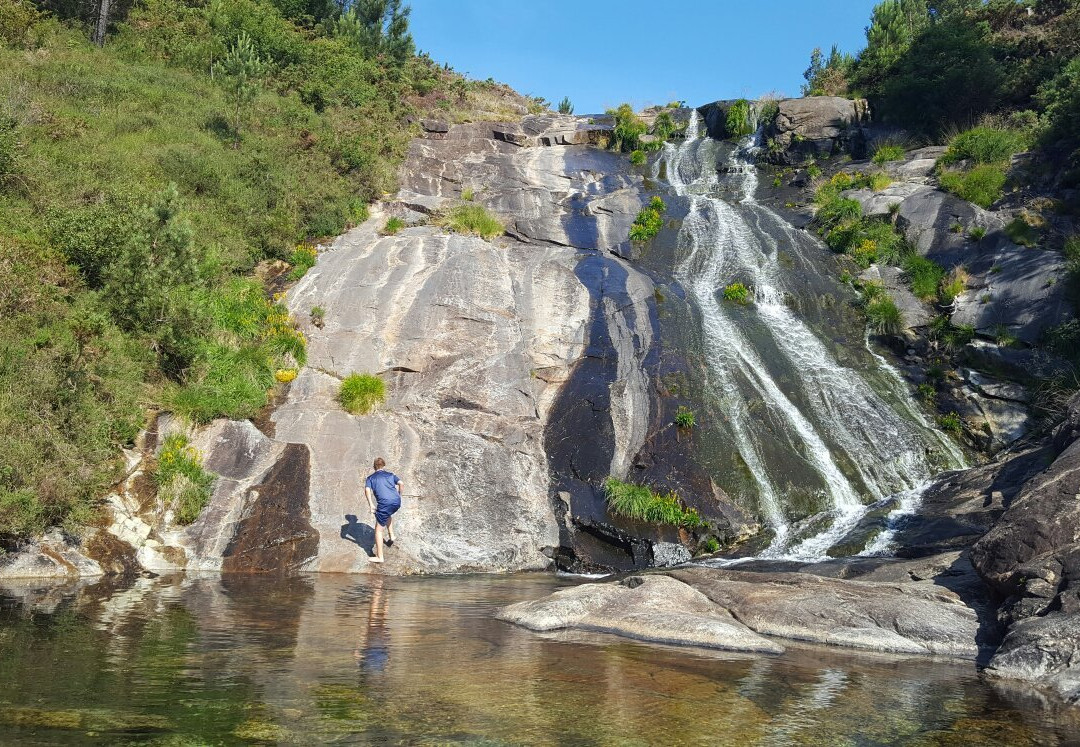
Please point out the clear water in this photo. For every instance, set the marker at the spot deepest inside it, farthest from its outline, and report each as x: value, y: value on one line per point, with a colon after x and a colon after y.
x: 339, y: 659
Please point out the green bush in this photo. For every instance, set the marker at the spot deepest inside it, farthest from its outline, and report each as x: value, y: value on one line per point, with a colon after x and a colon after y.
x: 474, y: 219
x: 888, y: 152
x: 637, y: 157
x: 649, y: 221
x: 182, y: 482
x: 983, y: 145
x: 951, y: 423
x: 684, y: 417
x: 709, y: 546
x: 737, y: 293
x: 628, y: 129
x: 879, y: 181
x: 360, y: 393
x: 981, y: 185
x: 640, y: 503
x: 977, y: 233
x: 923, y: 275
x: 392, y: 226
x: 737, y: 122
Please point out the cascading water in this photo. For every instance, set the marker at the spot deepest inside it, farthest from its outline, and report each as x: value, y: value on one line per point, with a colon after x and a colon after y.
x: 783, y: 395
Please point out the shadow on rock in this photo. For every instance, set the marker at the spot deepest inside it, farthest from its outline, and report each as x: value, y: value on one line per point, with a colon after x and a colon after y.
x: 361, y: 534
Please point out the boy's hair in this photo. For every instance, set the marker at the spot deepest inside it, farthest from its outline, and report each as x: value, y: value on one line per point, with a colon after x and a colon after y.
x: 379, y: 462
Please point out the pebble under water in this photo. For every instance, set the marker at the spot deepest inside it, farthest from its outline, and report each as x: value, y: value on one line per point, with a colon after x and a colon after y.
x: 342, y: 659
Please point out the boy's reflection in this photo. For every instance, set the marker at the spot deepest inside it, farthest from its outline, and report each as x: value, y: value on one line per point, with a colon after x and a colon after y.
x: 373, y: 649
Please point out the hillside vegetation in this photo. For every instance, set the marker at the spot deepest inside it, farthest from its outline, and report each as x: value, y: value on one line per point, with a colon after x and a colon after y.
x: 142, y: 182
x: 937, y: 67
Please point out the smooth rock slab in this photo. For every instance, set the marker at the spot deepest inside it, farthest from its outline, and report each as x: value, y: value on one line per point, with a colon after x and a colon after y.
x: 648, y: 608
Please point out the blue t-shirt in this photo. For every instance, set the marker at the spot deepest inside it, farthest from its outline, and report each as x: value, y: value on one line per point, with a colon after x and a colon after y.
x: 384, y: 485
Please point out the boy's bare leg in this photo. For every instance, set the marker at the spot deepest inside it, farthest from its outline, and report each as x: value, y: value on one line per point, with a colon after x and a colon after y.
x: 378, y: 543
x: 390, y: 529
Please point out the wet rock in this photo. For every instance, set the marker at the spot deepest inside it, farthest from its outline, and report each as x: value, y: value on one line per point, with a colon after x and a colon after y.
x: 1045, y: 651
x: 649, y: 608
x: 669, y: 553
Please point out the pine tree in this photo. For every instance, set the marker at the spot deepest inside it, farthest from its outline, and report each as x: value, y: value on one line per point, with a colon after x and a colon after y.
x: 239, y: 73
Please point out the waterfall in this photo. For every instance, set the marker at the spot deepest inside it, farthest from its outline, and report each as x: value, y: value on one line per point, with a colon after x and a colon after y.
x: 833, y: 421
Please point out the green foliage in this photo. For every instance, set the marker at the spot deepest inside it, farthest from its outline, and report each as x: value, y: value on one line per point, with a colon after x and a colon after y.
x: 977, y: 233
x: 640, y: 503
x: 239, y: 74
x: 182, y: 482
x: 924, y: 275
x: 664, y: 126
x: 879, y: 181
x: 378, y: 28
x: 927, y: 392
x: 9, y: 150
x: 883, y: 316
x: 953, y: 285
x: 637, y: 157
x: 684, y: 417
x: 981, y: 185
x: 738, y: 122
x: 394, y: 224
x: 17, y: 22
x: 468, y: 194
x: 827, y: 77
x: 888, y: 152
x: 474, y: 219
x: 737, y: 293
x: 360, y: 393
x: 983, y: 145
x: 951, y: 423
x: 649, y: 221
x: 565, y: 107
x: 628, y: 129
x: 1022, y: 232
x: 302, y: 259
x: 709, y: 546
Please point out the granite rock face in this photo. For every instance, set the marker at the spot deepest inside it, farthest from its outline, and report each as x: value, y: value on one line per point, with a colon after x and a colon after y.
x: 700, y: 606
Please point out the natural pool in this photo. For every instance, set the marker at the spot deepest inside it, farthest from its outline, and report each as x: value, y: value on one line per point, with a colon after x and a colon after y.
x: 343, y: 659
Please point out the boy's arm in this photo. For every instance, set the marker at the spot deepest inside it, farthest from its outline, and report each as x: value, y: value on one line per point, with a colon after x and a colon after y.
x: 398, y: 485
x: 370, y: 498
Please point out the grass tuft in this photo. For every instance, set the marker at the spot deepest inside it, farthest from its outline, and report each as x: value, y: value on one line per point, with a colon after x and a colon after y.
x: 737, y: 292
x: 684, y: 417
x: 640, y: 503
x: 473, y: 219
x: 888, y: 152
x: 982, y: 185
x: 360, y: 393
x: 392, y: 226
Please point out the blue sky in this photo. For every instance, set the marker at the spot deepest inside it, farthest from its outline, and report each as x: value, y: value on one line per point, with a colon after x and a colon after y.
x: 601, y: 53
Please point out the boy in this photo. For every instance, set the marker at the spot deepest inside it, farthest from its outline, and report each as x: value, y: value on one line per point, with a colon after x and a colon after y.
x: 383, y: 491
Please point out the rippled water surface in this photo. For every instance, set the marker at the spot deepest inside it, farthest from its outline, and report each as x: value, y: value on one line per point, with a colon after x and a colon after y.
x: 306, y: 660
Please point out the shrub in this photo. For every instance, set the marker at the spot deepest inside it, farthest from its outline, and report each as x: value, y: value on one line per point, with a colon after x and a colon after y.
x: 628, y: 129
x: 977, y: 233
x: 1071, y: 249
x: 737, y: 122
x: 318, y: 315
x: 285, y: 375
x: 1022, y: 232
x: 709, y: 546
x: 392, y: 226
x: 649, y: 221
x: 360, y: 393
x: 838, y: 211
x: 664, y: 126
x: 474, y: 219
x: 640, y: 503
x: 927, y: 392
x: 684, y: 417
x: 468, y: 194
x: 737, y: 293
x: 565, y: 107
x: 923, y: 275
x: 883, y: 316
x: 983, y: 145
x: 182, y: 482
x: 951, y: 423
x: 888, y: 152
x: 302, y: 259
x: 637, y: 157
x: 1004, y: 336
x: 981, y: 185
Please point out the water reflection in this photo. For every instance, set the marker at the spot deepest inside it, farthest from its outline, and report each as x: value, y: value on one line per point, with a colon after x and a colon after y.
x: 336, y: 658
